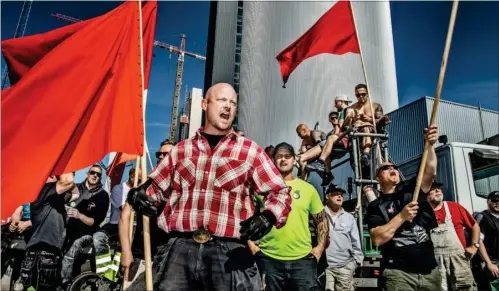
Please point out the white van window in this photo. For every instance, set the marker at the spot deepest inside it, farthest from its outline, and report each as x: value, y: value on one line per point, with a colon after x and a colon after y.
x: 485, y: 167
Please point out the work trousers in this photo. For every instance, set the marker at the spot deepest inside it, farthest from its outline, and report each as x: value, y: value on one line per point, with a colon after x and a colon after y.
x: 74, y: 252
x: 398, y: 280
x: 295, y: 275
x: 341, y: 279
x: 219, y: 264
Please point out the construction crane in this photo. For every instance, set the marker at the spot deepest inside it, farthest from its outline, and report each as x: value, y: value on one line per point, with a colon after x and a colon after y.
x: 20, y: 30
x: 181, y: 52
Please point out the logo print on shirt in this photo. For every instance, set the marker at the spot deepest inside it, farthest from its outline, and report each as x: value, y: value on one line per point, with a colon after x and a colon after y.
x: 90, y: 206
x: 391, y: 209
x: 296, y: 194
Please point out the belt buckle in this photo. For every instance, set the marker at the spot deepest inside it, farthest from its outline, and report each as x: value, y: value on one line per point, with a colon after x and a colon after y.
x: 201, y: 236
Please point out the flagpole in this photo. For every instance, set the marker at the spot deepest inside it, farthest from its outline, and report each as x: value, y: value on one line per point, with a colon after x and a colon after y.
x: 359, y: 196
x: 145, y: 219
x: 434, y: 110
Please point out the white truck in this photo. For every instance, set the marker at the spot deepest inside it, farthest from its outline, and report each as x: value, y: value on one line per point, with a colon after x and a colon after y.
x: 469, y: 173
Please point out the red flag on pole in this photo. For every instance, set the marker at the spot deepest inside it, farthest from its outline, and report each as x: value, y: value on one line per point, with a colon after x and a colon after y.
x: 333, y: 33
x: 77, y: 95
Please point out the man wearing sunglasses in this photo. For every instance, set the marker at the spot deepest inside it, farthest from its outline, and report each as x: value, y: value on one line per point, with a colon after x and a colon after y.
x: 489, y: 225
x: 85, y: 216
x: 164, y: 148
x: 451, y: 250
x: 402, y: 228
x: 362, y: 118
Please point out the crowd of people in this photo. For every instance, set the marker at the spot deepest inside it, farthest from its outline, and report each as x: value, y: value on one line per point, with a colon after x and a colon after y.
x: 228, y: 215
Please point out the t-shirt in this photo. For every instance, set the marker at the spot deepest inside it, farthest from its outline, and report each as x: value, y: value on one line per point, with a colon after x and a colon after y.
x: 489, y: 226
x: 118, y: 198
x: 48, y: 218
x: 293, y: 240
x: 410, y: 249
x: 461, y: 218
x: 93, y: 203
x: 213, y: 140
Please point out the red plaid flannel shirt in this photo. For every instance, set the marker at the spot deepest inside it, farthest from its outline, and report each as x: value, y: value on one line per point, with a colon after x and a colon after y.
x: 213, y: 189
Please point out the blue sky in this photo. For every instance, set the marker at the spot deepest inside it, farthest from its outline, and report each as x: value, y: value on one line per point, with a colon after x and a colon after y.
x: 419, y: 31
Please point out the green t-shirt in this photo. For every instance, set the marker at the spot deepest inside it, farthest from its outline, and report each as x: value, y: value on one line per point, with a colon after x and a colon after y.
x: 293, y: 240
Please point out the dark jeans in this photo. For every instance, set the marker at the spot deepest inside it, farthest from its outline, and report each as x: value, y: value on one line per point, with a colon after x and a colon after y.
x: 183, y: 264
x: 296, y: 275
x: 74, y: 252
x: 101, y: 238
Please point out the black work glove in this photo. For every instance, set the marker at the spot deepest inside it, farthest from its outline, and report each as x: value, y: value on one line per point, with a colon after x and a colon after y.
x: 142, y: 203
x: 255, y: 227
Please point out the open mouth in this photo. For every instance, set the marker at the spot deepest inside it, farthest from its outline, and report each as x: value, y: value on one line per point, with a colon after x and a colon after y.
x: 225, y: 116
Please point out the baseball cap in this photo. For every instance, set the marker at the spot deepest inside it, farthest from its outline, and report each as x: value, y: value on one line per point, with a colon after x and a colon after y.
x: 437, y: 184
x: 342, y: 98
x: 385, y: 165
x: 493, y: 194
x: 286, y: 146
x: 334, y: 188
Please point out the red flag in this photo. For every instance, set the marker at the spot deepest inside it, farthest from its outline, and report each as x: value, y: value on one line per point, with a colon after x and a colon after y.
x: 333, y: 33
x: 117, y: 168
x: 77, y: 96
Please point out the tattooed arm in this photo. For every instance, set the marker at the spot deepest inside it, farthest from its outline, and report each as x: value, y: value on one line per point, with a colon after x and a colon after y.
x: 322, y: 227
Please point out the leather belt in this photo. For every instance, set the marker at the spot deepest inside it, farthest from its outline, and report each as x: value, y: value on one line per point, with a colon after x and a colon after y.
x: 202, y: 236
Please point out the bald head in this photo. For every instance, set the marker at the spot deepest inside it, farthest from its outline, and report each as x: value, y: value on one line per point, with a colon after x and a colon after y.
x: 219, y: 104
x: 302, y: 130
x: 220, y: 89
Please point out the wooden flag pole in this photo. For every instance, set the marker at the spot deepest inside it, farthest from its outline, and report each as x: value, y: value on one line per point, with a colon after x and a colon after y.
x: 367, y: 83
x: 131, y: 221
x: 145, y: 219
x: 440, y: 83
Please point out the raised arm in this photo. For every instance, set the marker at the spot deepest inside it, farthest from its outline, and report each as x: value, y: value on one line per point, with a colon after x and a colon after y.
x: 65, y: 183
x: 431, y: 135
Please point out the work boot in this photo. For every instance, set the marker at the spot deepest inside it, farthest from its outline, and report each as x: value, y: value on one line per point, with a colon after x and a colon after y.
x: 365, y: 159
x: 327, y: 179
x: 316, y: 166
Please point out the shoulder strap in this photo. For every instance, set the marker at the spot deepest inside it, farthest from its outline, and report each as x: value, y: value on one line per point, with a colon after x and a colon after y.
x: 478, y: 216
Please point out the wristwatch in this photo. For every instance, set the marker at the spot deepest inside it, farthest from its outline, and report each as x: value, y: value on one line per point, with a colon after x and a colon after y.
x: 475, y: 244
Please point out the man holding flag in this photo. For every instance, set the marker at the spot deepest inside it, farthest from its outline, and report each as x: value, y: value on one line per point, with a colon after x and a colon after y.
x: 206, y: 187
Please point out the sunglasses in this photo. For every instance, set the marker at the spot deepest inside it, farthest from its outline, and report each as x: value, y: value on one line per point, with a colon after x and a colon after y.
x: 333, y: 118
x: 388, y: 167
x: 361, y: 95
x: 92, y: 173
x: 159, y: 155
x: 494, y: 200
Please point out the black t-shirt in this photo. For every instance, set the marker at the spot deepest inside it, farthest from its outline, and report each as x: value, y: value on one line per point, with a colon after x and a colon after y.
x: 48, y: 218
x: 93, y: 203
x: 410, y: 249
x: 213, y: 140
x: 158, y: 237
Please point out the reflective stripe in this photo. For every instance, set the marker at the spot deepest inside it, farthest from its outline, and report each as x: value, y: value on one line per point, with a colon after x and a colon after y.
x: 113, y: 267
x: 101, y: 270
x: 103, y: 260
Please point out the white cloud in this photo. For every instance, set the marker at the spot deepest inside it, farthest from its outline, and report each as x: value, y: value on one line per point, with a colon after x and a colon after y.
x: 158, y: 124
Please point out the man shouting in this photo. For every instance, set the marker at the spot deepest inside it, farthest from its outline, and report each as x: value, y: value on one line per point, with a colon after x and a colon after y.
x: 202, y: 192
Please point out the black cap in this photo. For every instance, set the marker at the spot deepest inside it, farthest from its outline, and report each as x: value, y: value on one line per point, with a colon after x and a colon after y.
x: 436, y: 184
x: 334, y: 188
x: 286, y: 146
x: 493, y: 194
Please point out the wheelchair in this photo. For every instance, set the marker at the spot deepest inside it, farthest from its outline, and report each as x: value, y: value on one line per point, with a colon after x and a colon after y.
x: 87, y: 278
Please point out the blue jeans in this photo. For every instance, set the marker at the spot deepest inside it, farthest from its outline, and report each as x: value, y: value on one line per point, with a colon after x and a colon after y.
x: 296, y: 275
